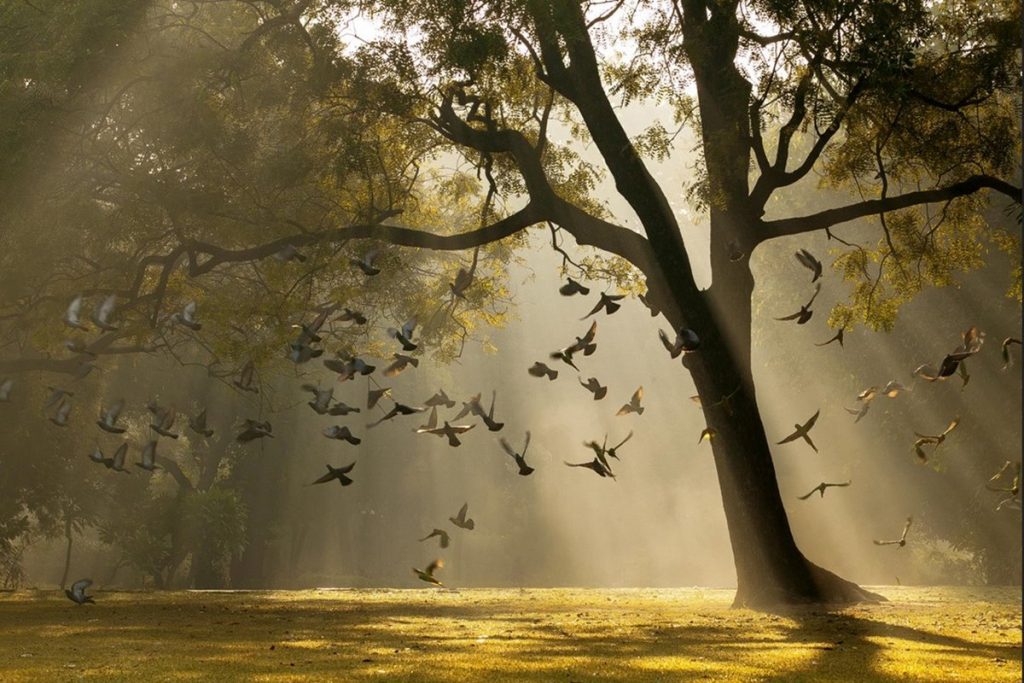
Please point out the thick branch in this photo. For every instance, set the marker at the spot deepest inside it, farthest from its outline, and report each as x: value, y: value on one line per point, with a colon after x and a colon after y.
x: 850, y: 212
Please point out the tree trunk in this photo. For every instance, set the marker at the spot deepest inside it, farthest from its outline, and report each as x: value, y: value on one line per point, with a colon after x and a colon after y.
x: 68, y: 534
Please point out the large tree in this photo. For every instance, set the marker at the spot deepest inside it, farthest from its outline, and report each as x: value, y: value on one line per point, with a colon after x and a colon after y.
x: 910, y: 107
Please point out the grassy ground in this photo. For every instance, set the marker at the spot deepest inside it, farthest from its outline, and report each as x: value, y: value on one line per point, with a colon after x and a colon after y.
x: 925, y: 634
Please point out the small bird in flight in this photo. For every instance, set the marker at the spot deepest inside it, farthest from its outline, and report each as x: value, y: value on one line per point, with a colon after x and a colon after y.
x: 341, y: 433
x: 902, y: 541
x: 571, y: 287
x: 148, y: 457
x: 634, y: 404
x: 686, y: 341
x: 1005, y: 350
x: 440, y: 399
x: 428, y: 573
x: 808, y: 261
x: 520, y: 458
x: 594, y: 387
x: 460, y: 520
x: 245, y: 378
x: 837, y: 337
x: 539, y: 369
x: 77, y: 595
x: 252, y: 430
x: 400, y: 363
x: 805, y: 312
x: 349, y: 315
x: 108, y: 418
x: 607, y: 302
x: 404, y: 335
x: 442, y: 536
x: 594, y: 465
x: 365, y: 263
x: 102, y: 315
x: 187, y: 317
x: 336, y: 473
x: 936, y: 441
x: 820, y: 489
x: 803, y: 432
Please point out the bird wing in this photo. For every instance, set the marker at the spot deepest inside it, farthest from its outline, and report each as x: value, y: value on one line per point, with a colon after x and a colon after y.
x: 74, y: 309
x: 792, y: 317
x: 78, y: 587
x: 106, y: 308
x: 952, y: 426
x: 595, y: 309
x: 792, y: 437
x: 508, y: 449
x: 331, y: 474
x: 817, y: 290
x: 809, y: 493
x: 119, y: 455
x: 114, y: 411
x: 814, y: 418
x: 462, y: 512
x: 527, y: 444
x: 589, y: 336
x: 620, y: 444
x: 906, y: 528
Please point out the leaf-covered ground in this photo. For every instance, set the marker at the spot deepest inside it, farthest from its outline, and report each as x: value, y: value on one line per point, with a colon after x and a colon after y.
x: 927, y: 634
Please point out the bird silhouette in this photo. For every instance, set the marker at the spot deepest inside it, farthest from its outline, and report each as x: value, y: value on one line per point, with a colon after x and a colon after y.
x: 541, y: 370
x: 488, y: 417
x: 935, y: 441
x: 245, y: 378
x: 102, y: 315
x: 808, y: 261
x: 600, y: 451
x: 396, y: 410
x: 449, y: 430
x: 164, y: 422
x: 859, y: 412
x: 340, y: 408
x: 837, y: 337
x: 820, y: 489
x: 336, y: 473
x: 322, y: 398
x: 1014, y: 487
x: 594, y: 465
x: 428, y: 573
x: 440, y: 399
x: 252, y: 430
x: 803, y: 432
x: 400, y: 363
x: 614, y: 450
x: 431, y: 422
x: 108, y: 418
x: 404, y: 335
x: 584, y: 344
x: 187, y: 317
x: 60, y: 417
x: 902, y: 541
x: 707, y: 433
x: 76, y: 593
x: 198, y: 424
x: 1005, y: 351
x: 349, y: 315
x: 57, y: 395
x: 571, y: 288
x: 148, y: 456
x: 606, y: 302
x: 520, y: 458
x: 442, y: 536
x: 805, y: 312
x: 348, y: 367
x: 686, y: 341
x: 373, y: 396
x: 971, y: 342
x: 595, y: 388
x: 117, y: 462
x: 341, y: 433
x: 460, y: 520
x: 634, y: 404
x: 365, y: 263
x: 72, y: 316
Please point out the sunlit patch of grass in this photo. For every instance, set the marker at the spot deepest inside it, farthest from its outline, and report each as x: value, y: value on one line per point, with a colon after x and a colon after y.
x: 506, y: 635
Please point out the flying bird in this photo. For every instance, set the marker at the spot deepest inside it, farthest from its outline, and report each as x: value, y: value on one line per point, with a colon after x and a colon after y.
x: 404, y: 335
x: 803, y: 432
x: 198, y: 424
x: 108, y: 418
x: 971, y: 342
x: 72, y: 316
x: 341, y: 433
x: 102, y: 315
x: 805, y: 312
x: 935, y: 441
x: 57, y: 395
x: 859, y: 412
x: 520, y: 458
x: 902, y: 541
x: 541, y: 370
x: 302, y: 353
x: 600, y: 451
x: 60, y: 417
x: 488, y: 417
x: 322, y: 398
x: 686, y: 341
x: 594, y: 465
x: 164, y: 422
x: 5, y: 389
x: 245, y: 378
x: 148, y: 457
x: 253, y: 430
x: 460, y: 520
x: 440, y: 399
x: 400, y: 363
x: 463, y: 279
x: 349, y: 315
x: 571, y: 288
x: 76, y: 593
x: 448, y: 430
x: 594, y: 387
x: 1014, y: 487
x: 820, y: 489
x: 373, y: 396
x: 837, y: 337
x: 808, y: 261
x: 396, y: 410
x: 634, y: 404
x: 431, y: 422
x: 442, y: 536
x: 893, y: 388
x: 340, y: 408
x: 613, y: 451
x: 607, y: 302
x: 115, y: 463
x: 1005, y: 350
x: 428, y: 573
x: 365, y: 263
x: 336, y: 473
x: 187, y: 317
x: 706, y: 434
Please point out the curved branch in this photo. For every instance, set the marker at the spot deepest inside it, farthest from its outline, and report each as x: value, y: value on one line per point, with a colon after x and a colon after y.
x: 850, y: 212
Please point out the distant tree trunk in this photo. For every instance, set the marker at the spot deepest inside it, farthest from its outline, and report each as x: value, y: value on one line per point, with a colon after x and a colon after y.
x: 69, y: 535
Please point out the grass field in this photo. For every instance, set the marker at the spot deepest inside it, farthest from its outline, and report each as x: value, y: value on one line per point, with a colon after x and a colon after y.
x: 927, y: 634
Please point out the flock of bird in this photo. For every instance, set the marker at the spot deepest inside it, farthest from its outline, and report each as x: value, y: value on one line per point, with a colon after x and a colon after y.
x: 304, y: 348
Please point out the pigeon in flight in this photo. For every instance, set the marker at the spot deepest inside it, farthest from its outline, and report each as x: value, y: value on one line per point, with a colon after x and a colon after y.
x: 336, y: 473
x: 902, y: 541
x: 859, y: 412
x: 583, y: 344
x: 1005, y: 350
x: 253, y: 430
x: 686, y: 341
x: 341, y: 433
x: 396, y: 410
x: 404, y: 335
x: 57, y: 395
x: 594, y: 387
x: 520, y: 458
x: 245, y: 378
x: 488, y: 417
x: 803, y: 432
x: 348, y: 315
x: 448, y: 430
x: 373, y: 396
x: 541, y: 370
x: 837, y: 337
x: 820, y: 489
x: 428, y: 573
x: 613, y: 452
x: 460, y: 520
x: 290, y: 252
x: 108, y: 418
x: 299, y: 353
x: 187, y: 317
x: 431, y: 422
x: 76, y: 593
x: 322, y: 398
x: 595, y: 465
x: 607, y: 302
x: 1014, y: 487
x: 972, y: 340
x: 706, y: 434
x: 936, y: 440
x: 340, y: 408
x: 442, y: 536
x: 571, y: 288
x: 463, y: 279
x: 115, y: 463
x: 102, y: 315
x: 5, y: 389
x: 365, y: 263
x: 148, y: 457
x: 439, y: 399
x: 310, y: 334
x: 893, y: 388
x: 400, y: 363
x: 808, y: 261
x: 600, y: 451
x: 198, y: 424
x: 348, y: 367
x: 805, y: 312
x: 646, y: 301
x: 72, y: 316
x: 60, y: 417
x: 634, y: 404
x: 164, y: 422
